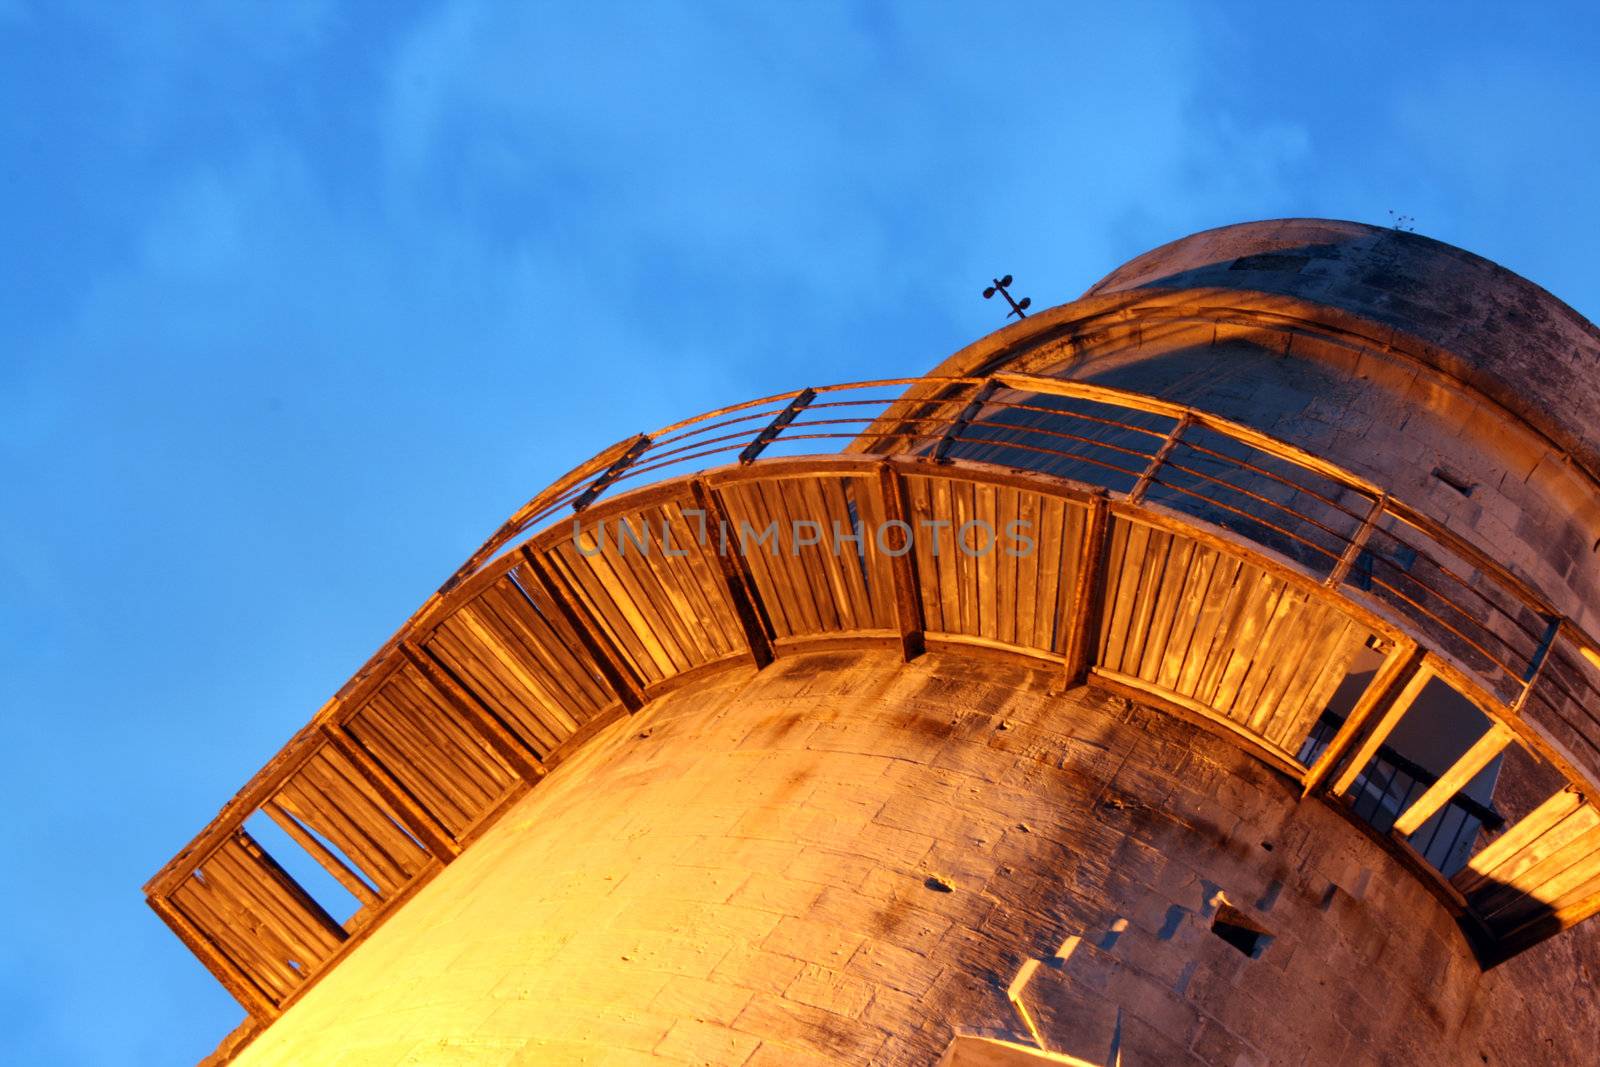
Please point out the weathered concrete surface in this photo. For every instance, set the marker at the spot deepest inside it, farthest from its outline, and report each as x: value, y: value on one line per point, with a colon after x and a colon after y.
x: 846, y: 859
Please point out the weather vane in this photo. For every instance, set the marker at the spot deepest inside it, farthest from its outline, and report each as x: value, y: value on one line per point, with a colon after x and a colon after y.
x: 1019, y: 308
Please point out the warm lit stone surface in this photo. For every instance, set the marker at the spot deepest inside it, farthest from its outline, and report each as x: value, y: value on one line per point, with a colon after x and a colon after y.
x: 749, y: 871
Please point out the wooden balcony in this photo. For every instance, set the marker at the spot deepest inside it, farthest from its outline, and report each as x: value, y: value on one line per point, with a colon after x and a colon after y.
x: 1194, y: 564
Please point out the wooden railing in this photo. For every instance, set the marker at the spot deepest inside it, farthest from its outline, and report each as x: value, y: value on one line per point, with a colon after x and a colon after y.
x: 532, y: 645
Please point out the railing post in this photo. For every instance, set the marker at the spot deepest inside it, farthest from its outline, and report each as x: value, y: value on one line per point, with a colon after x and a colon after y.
x: 479, y: 719
x: 907, y: 585
x: 417, y: 820
x: 617, y: 469
x: 1399, y: 669
x: 1452, y: 781
x: 1358, y: 542
x: 775, y: 427
x: 1142, y: 486
x: 736, y: 576
x: 1380, y: 732
x: 616, y: 674
x: 1087, y: 594
x: 953, y: 431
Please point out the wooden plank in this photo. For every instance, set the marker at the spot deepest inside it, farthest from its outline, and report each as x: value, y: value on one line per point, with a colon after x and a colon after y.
x: 867, y: 492
x: 1057, y: 560
x: 1375, y: 738
x: 1316, y: 673
x: 315, y: 802
x: 299, y: 925
x: 739, y: 584
x: 1519, y: 836
x: 1133, y: 539
x: 591, y: 637
x: 743, y: 506
x: 1397, y: 670
x: 821, y: 566
x: 986, y: 563
x: 1167, y: 605
x: 963, y: 498
x: 351, y: 880
x: 423, y: 762
x: 235, y: 980
x: 1219, y: 604
x: 1519, y: 871
x: 333, y: 789
x: 1009, y: 596
x: 421, y: 823
x: 1145, y: 601
x: 1542, y: 883
x: 585, y: 585
x: 467, y: 647
x: 479, y: 717
x: 653, y: 595
x: 534, y: 630
x: 1186, y: 614
x: 1284, y: 631
x: 1236, y: 645
x: 411, y: 696
x: 941, y: 507
x: 1327, y: 664
x: 1485, y: 749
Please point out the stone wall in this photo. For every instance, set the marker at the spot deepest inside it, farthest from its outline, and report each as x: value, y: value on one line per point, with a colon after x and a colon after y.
x: 844, y: 858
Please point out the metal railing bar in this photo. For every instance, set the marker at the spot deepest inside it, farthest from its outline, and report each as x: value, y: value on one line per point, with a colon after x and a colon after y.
x: 1464, y: 583
x: 779, y: 399
x: 1234, y: 462
x: 1514, y: 674
x: 1445, y: 597
x: 1059, y: 413
x: 1076, y: 457
x: 1343, y: 538
x: 1258, y: 520
x: 1028, y: 430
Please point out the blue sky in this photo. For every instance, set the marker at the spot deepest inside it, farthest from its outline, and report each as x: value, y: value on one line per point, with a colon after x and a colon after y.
x: 299, y: 299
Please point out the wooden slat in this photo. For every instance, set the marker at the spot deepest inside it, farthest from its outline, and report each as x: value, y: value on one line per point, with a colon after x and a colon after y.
x: 1398, y: 670
x: 1519, y: 836
x: 417, y: 820
x: 472, y: 712
x: 1524, y: 869
x: 1558, y: 862
x: 233, y: 978
x: 1485, y: 749
x: 1380, y: 732
x: 331, y: 796
x: 350, y: 879
x: 737, y: 577
x: 585, y: 631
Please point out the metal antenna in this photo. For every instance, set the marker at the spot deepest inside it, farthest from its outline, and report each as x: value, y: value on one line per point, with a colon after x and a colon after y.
x: 1019, y: 308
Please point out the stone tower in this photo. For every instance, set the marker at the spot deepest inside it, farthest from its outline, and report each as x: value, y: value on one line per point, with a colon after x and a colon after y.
x: 1200, y: 672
